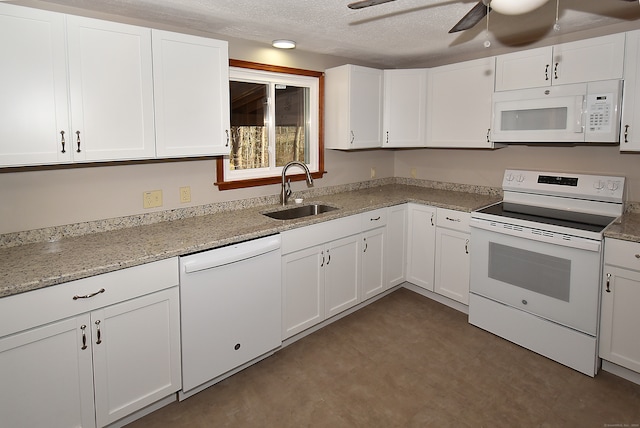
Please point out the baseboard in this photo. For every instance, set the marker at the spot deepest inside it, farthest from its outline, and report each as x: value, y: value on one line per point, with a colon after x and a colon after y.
x: 144, y: 412
x: 620, y: 371
x: 437, y: 297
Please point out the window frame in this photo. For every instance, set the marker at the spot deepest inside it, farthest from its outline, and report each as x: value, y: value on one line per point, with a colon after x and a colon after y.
x: 222, y: 184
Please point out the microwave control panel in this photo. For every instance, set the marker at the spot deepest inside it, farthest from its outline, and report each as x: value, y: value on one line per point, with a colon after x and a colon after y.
x: 599, y: 107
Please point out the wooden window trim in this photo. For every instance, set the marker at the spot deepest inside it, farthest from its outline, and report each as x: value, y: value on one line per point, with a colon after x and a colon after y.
x: 239, y: 184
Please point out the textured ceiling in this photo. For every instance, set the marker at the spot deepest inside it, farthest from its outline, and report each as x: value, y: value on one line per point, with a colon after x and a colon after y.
x: 402, y: 33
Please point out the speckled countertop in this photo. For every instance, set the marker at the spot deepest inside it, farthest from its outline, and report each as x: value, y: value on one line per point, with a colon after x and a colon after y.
x: 626, y: 228
x: 42, y: 264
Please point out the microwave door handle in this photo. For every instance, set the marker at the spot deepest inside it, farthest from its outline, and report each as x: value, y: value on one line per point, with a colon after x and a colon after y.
x: 581, y: 111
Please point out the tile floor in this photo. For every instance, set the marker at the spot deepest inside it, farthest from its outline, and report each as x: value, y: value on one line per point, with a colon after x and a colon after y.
x: 406, y: 361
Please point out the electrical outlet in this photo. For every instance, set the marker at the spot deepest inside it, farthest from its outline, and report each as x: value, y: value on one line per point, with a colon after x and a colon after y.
x: 185, y: 194
x: 152, y: 199
x: 413, y: 173
x: 373, y: 172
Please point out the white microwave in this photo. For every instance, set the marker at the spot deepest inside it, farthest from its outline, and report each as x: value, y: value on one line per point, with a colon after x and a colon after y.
x: 577, y: 113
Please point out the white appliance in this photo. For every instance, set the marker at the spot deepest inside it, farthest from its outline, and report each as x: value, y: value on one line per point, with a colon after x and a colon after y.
x: 230, y: 309
x: 536, y: 259
x: 577, y: 113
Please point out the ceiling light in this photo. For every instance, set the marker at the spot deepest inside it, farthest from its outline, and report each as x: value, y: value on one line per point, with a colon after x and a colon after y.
x: 515, y: 7
x: 283, y: 44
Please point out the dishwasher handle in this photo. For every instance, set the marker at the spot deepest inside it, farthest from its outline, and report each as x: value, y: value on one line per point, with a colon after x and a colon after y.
x: 231, y: 254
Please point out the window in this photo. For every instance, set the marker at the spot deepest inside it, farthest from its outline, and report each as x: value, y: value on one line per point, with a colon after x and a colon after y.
x: 276, y: 117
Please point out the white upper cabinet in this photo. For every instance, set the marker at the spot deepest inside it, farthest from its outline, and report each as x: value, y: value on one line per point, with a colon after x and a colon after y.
x: 405, y: 102
x: 599, y: 58
x: 111, y: 90
x: 630, y: 132
x: 459, y: 104
x: 33, y: 105
x: 191, y: 88
x: 353, y: 107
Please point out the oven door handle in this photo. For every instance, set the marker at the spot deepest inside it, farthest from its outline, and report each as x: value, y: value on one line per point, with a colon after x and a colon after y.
x: 532, y: 234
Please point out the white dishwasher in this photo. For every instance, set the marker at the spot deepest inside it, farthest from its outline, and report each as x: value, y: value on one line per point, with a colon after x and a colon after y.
x: 230, y: 301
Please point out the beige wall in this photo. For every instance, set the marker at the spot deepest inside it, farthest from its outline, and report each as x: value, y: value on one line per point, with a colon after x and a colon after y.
x: 485, y: 167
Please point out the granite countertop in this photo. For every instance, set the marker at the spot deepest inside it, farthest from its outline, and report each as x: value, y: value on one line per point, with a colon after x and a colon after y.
x: 38, y: 265
x: 626, y: 228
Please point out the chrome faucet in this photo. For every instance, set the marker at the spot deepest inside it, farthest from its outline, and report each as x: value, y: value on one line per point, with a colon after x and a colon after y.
x: 286, y: 186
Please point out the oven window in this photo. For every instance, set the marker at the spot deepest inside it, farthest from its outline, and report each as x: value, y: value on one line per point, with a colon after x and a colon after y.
x: 532, y: 271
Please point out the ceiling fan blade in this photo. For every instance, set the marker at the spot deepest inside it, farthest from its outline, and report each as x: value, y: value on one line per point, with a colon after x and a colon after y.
x: 474, y: 16
x: 366, y: 3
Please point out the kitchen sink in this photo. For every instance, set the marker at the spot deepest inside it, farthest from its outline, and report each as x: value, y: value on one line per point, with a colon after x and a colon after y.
x: 299, y: 212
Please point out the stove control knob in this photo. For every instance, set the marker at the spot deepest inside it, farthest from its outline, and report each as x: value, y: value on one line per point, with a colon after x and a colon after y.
x: 509, y: 177
x: 520, y: 178
x: 599, y: 185
x: 613, y: 185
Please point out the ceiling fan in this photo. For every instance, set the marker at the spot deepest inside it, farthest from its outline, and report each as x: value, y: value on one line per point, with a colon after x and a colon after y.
x: 477, y: 12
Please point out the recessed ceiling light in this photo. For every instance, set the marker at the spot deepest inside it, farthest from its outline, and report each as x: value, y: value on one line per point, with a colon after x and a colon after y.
x: 283, y: 44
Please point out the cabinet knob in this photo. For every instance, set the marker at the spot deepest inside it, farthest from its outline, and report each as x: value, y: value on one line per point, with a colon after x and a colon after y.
x: 237, y: 346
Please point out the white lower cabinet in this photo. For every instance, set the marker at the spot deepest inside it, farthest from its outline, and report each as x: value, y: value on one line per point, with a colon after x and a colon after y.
x: 117, y: 354
x: 341, y: 275
x: 374, y: 238
x: 421, y: 245
x: 395, y: 249
x: 452, y: 255
x: 620, y: 317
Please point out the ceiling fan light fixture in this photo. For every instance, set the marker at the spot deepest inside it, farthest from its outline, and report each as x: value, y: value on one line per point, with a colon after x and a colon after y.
x: 283, y: 44
x: 515, y: 7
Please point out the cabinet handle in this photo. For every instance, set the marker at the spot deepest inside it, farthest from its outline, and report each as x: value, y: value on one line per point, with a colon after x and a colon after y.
x: 626, y: 134
x: 546, y: 72
x: 84, y: 337
x: 432, y: 214
x: 608, y: 283
x: 637, y: 256
x: 322, y: 264
x: 488, y: 135
x: 466, y: 247
x: 328, y: 258
x: 353, y: 137
x: 88, y: 296
x: 453, y: 219
x: 78, y: 141
x: 226, y: 131
x: 555, y: 71
x: 387, y: 137
x: 62, y: 142
x: 99, y: 336
x: 365, y: 245
x: 375, y: 219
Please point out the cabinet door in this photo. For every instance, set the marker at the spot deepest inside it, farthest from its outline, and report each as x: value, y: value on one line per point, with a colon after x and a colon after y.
x: 630, y: 135
x: 421, y: 244
x: 620, y: 318
x: 46, y: 374
x: 405, y: 96
x: 136, y: 351
x: 373, y: 263
x: 353, y: 107
x: 531, y: 68
x: 302, y: 290
x: 111, y: 90
x: 599, y: 58
x: 459, y: 104
x: 452, y: 264
x: 396, y: 245
x: 33, y: 105
x: 342, y: 274
x: 191, y: 95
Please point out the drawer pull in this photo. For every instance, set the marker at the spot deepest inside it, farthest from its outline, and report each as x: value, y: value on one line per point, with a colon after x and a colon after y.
x: 88, y: 296
x: 453, y: 219
x: 375, y: 219
x: 637, y: 256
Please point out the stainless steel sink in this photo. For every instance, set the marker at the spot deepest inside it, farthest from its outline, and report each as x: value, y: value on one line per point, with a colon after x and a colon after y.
x: 301, y: 211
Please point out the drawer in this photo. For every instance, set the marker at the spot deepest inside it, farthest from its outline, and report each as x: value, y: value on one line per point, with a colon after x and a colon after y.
x: 621, y: 253
x: 452, y: 219
x: 320, y: 233
x: 38, y: 307
x: 372, y: 219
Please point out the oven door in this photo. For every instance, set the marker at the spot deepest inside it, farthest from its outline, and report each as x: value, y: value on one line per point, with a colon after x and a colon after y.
x: 554, y: 281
